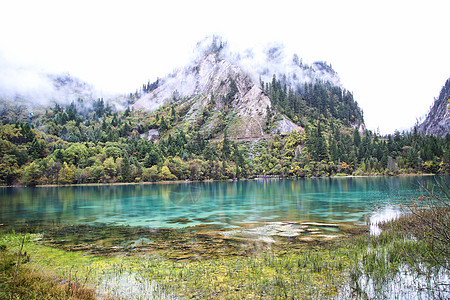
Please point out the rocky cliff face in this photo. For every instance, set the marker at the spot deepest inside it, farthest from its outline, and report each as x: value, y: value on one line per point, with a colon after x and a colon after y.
x: 437, y: 122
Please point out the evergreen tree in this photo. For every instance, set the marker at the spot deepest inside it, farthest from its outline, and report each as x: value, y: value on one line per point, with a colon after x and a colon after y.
x: 125, y: 170
x: 163, y: 125
x: 240, y: 162
x: 31, y: 174
x: 412, y: 158
x: 317, y: 144
x: 226, y: 148
x: 334, y: 151
x: 356, y: 138
x: 232, y: 92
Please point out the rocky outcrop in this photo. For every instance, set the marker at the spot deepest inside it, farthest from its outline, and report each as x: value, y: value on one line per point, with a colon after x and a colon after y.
x: 437, y: 122
x: 286, y: 126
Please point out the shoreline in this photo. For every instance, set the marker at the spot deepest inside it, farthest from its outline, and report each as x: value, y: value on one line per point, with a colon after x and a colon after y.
x: 212, y: 180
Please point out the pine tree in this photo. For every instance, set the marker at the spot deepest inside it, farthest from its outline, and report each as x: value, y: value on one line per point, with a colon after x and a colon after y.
x: 226, y: 148
x: 412, y: 158
x: 163, y: 125
x: 320, y: 145
x: 356, y: 138
x: 125, y: 170
x: 334, y: 151
x: 31, y: 174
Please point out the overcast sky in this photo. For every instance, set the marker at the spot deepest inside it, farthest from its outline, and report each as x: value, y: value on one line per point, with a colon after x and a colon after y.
x: 393, y: 55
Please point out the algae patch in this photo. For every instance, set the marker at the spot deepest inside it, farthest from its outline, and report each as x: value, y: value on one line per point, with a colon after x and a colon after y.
x: 271, y: 232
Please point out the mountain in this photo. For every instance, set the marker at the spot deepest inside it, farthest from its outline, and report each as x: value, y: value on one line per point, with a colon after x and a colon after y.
x: 224, y: 86
x: 437, y: 121
x: 220, y: 86
x: 250, y: 94
x: 224, y: 115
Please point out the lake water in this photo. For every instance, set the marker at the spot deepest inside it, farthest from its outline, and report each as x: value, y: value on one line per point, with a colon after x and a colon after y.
x: 227, y: 204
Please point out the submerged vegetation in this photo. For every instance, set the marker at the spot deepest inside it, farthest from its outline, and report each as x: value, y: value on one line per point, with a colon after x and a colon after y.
x: 305, y: 271
x: 409, y: 259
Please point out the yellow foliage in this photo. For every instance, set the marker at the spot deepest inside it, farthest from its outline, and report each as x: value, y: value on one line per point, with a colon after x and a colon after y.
x: 165, y: 174
x: 66, y: 174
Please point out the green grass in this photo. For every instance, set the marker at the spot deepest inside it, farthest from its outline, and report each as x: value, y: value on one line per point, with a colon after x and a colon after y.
x: 33, y: 279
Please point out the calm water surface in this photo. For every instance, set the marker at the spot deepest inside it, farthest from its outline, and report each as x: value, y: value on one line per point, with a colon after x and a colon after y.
x: 225, y: 203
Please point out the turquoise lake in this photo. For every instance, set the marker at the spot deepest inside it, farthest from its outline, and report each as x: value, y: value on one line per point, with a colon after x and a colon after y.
x: 226, y: 204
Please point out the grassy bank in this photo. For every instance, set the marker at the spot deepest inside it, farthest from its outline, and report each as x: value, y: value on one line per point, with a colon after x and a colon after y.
x: 33, y: 272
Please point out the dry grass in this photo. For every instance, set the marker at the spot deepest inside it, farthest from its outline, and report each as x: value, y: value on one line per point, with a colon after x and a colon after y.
x: 18, y: 280
x: 428, y: 221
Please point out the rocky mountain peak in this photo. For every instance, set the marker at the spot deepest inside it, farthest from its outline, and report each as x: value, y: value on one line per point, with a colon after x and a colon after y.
x: 437, y: 121
x: 234, y: 81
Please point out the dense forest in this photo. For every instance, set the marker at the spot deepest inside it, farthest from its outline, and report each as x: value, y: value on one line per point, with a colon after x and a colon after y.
x: 313, y: 101
x: 92, y: 142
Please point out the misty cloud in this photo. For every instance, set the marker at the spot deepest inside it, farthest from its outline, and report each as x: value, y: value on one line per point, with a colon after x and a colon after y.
x: 213, y: 62
x: 264, y: 61
x: 275, y: 52
x: 24, y: 82
x: 273, y: 59
x: 31, y: 86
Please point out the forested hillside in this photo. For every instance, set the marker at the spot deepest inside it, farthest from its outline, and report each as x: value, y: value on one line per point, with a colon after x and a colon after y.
x: 314, y: 101
x: 65, y: 145
x: 211, y: 120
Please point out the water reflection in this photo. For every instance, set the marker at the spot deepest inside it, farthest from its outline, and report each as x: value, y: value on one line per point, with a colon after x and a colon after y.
x: 223, y: 203
x: 385, y: 214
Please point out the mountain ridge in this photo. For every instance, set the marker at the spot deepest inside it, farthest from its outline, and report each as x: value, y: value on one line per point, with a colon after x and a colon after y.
x: 437, y: 121
x: 222, y: 78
